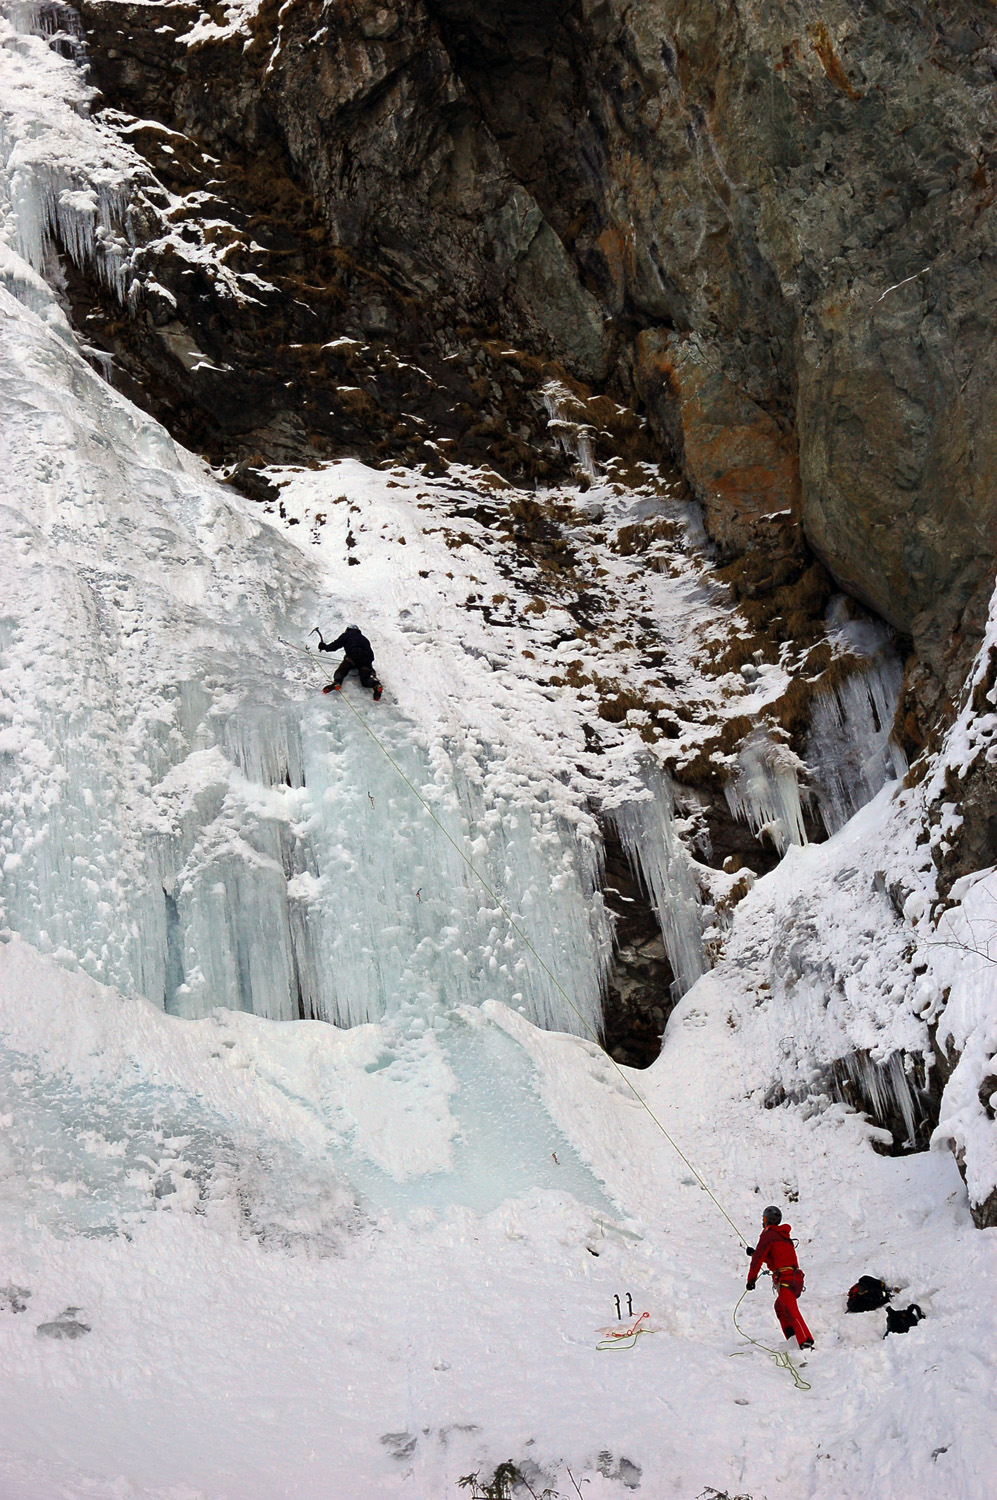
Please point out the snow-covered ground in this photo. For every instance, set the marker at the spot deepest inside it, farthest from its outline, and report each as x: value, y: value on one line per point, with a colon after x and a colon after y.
x: 247, y: 1255
x: 290, y: 1289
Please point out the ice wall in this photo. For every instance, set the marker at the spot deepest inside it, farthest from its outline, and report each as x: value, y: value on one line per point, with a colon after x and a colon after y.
x: 647, y: 832
x: 765, y: 791
x: 361, y: 905
x: 182, y: 813
x: 849, y: 749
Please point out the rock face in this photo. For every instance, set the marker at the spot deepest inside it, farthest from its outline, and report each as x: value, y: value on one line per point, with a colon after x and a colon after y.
x: 774, y: 228
x: 743, y: 467
x: 329, y: 242
x: 799, y: 202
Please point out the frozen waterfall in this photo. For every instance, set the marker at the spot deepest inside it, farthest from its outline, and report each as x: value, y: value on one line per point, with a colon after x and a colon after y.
x: 575, y: 438
x: 850, y: 749
x: 647, y: 832
x: 182, y: 814
x: 765, y: 791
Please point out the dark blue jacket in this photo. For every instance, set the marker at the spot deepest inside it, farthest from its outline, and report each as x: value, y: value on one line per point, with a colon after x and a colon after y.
x: 355, y: 645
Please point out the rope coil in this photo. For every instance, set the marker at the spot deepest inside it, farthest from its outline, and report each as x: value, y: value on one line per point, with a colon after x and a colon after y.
x: 615, y: 1340
x: 779, y: 1357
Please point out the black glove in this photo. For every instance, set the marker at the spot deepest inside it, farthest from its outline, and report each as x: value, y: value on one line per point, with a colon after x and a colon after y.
x: 749, y: 1249
x: 750, y: 1285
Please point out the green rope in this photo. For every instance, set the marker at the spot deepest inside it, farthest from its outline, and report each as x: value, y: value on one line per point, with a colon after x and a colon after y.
x: 624, y: 1340
x: 779, y: 1356
x: 525, y: 940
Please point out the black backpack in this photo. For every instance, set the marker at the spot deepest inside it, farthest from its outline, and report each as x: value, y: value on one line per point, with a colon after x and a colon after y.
x: 898, y: 1321
x: 867, y: 1294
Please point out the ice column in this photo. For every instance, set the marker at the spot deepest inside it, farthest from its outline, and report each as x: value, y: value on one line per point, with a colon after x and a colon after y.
x: 849, y: 748
x: 576, y: 438
x: 388, y: 915
x: 765, y: 792
x: 647, y: 832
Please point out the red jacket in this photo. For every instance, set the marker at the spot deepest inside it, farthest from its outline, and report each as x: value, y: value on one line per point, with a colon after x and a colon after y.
x: 775, y: 1249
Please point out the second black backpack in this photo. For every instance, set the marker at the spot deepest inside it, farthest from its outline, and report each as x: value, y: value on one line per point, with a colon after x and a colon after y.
x: 902, y: 1320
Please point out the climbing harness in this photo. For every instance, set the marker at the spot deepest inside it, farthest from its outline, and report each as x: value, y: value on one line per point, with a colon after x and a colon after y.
x: 779, y: 1356
x: 781, y: 1359
x: 618, y: 1340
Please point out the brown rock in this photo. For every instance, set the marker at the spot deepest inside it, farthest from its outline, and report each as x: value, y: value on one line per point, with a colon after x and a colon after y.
x: 740, y: 465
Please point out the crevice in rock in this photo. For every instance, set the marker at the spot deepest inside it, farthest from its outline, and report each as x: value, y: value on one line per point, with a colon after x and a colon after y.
x: 639, y: 996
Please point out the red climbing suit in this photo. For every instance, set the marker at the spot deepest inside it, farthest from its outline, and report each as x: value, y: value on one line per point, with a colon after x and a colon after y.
x: 775, y: 1249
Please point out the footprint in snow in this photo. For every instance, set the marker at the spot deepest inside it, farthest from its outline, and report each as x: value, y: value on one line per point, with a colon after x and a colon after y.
x: 66, y: 1326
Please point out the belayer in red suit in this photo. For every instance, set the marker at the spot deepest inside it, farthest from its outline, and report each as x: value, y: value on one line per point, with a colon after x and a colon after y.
x: 776, y: 1250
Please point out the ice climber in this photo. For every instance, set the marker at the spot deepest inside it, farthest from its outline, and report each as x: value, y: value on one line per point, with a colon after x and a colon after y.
x: 776, y: 1250
x: 358, y: 656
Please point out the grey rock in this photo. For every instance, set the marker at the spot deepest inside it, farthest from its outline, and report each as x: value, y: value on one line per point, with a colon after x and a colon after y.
x: 806, y: 200
x: 14, y: 1297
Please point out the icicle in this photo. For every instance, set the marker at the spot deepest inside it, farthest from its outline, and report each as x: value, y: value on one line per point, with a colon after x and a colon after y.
x: 390, y: 916
x: 765, y: 793
x: 575, y: 438
x: 647, y: 833
x: 849, y: 748
x: 883, y: 1089
x: 61, y: 175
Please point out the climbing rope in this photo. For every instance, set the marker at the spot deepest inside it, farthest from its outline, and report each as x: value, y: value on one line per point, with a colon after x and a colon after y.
x: 525, y: 940
x: 779, y: 1356
x: 617, y: 1340
x: 551, y: 976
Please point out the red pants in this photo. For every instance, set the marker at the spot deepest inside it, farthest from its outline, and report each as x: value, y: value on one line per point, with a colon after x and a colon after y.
x: 788, y: 1286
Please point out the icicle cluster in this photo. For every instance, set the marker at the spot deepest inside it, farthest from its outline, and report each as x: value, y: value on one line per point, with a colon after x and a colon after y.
x: 63, y: 178
x: 850, y: 750
x: 765, y: 791
x: 575, y: 438
x: 883, y: 1088
x: 647, y: 833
